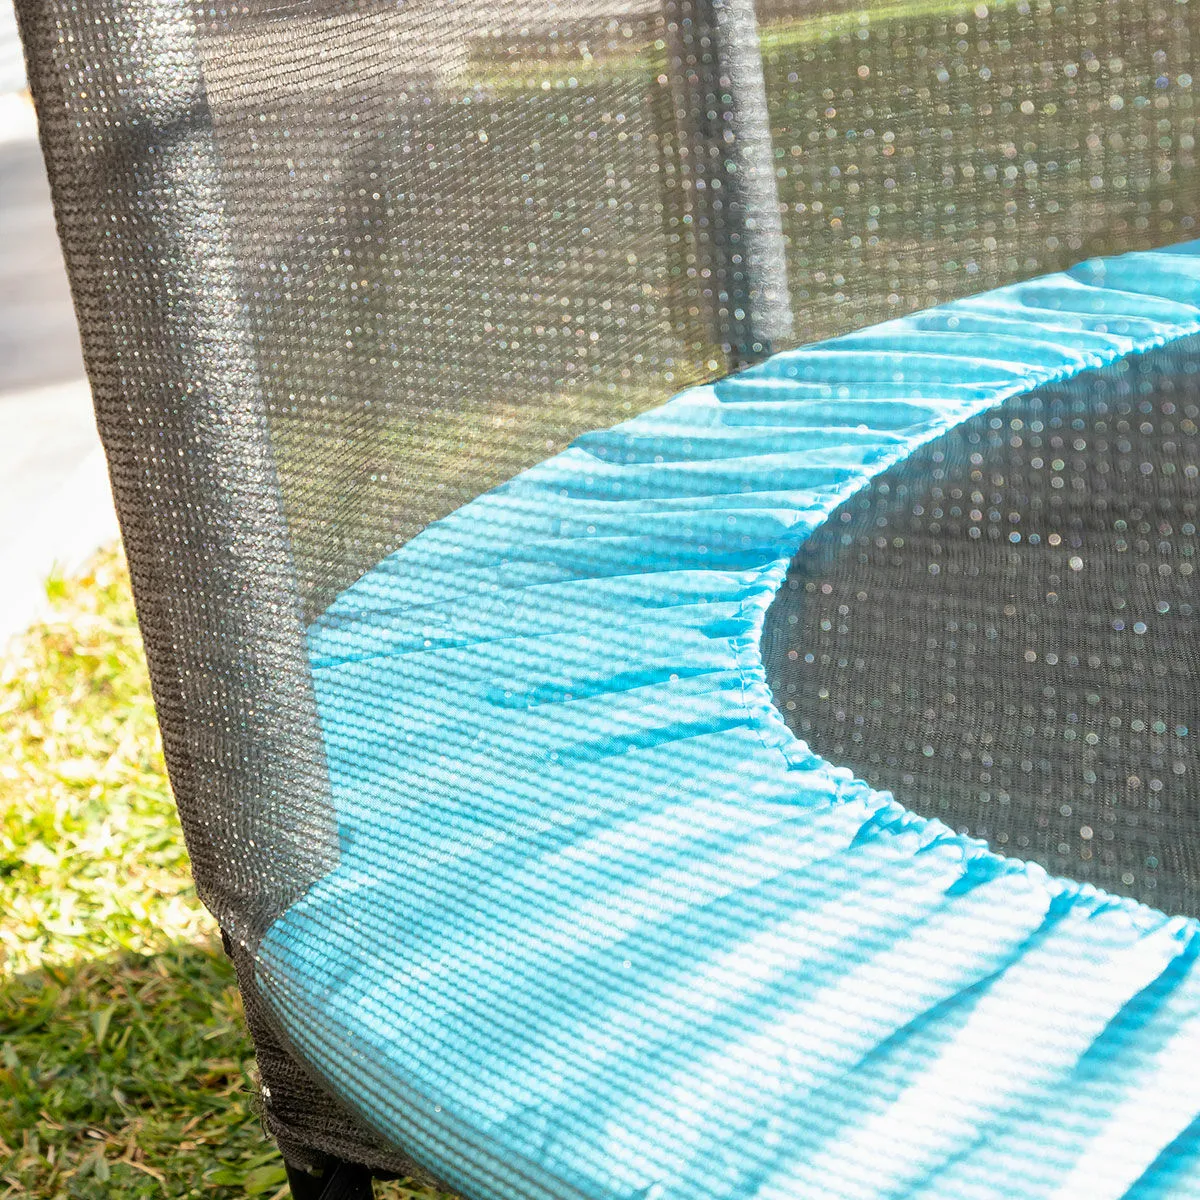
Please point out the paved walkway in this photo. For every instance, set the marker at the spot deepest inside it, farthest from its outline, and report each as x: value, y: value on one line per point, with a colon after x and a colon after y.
x: 55, y: 507
x: 12, y: 61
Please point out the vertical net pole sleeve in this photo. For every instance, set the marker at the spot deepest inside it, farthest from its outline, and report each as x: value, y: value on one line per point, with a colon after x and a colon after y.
x: 128, y: 138
x: 757, y: 246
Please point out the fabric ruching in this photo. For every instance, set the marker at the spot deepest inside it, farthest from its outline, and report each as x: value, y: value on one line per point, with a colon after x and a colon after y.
x: 603, y: 928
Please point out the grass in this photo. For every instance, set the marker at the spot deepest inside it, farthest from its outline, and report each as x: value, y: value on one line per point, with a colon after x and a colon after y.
x: 822, y: 27
x: 125, y: 1067
x: 781, y: 34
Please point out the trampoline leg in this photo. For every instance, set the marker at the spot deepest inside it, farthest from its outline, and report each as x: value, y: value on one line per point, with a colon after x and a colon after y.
x: 341, y: 1181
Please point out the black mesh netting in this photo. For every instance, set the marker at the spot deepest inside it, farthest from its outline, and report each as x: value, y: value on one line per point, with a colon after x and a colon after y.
x: 1002, y: 631
x: 342, y: 265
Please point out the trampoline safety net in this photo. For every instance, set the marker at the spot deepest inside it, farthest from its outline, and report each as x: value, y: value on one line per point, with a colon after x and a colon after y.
x: 664, y: 533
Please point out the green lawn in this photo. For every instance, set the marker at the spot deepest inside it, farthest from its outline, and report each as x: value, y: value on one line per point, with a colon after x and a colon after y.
x: 125, y: 1068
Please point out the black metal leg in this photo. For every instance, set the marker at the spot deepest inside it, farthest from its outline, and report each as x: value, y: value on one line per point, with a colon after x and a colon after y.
x: 339, y: 1181
x: 304, y: 1186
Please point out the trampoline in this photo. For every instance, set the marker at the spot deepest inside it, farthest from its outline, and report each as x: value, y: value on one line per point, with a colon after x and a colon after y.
x: 786, y: 789
x: 653, y: 943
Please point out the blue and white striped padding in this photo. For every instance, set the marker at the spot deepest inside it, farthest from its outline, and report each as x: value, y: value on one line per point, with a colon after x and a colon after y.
x: 602, y: 927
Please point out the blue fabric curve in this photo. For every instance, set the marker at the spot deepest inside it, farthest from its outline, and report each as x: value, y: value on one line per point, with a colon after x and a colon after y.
x: 602, y: 927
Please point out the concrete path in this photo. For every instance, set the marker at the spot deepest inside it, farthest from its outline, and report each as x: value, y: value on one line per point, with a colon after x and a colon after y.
x: 55, y: 506
x: 12, y: 61
x: 39, y: 343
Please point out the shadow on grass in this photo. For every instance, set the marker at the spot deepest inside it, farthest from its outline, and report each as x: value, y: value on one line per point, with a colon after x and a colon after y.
x: 130, y: 1076
x: 133, y: 1076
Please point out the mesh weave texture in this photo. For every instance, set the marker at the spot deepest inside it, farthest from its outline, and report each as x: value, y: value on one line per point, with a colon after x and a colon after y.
x: 1002, y: 630
x: 601, y: 920
x: 343, y: 266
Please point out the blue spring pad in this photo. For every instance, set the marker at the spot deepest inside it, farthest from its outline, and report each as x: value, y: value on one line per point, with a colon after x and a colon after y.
x: 602, y: 927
